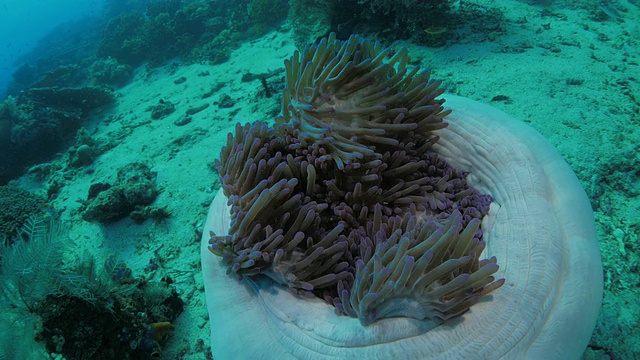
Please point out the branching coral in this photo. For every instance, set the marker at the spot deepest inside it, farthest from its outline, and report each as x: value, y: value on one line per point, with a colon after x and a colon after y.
x: 344, y: 200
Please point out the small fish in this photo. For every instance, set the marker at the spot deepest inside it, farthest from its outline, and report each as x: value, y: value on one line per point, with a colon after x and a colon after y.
x: 436, y: 30
x: 110, y: 263
x: 611, y: 12
x: 52, y: 213
x: 122, y: 274
x: 118, y: 271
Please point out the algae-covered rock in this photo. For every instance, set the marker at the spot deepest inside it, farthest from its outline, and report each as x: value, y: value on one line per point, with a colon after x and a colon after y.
x: 162, y: 109
x: 134, y: 188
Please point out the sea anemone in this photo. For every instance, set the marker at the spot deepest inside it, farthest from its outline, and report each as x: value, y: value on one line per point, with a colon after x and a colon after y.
x: 360, y: 199
x: 347, y: 97
x: 301, y: 216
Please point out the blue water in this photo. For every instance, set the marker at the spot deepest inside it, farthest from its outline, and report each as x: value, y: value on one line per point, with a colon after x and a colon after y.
x: 23, y: 23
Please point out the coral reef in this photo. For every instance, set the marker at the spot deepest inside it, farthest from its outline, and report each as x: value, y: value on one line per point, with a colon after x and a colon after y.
x: 343, y: 199
x: 64, y: 52
x: 110, y: 72
x: 422, y: 21
x: 126, y: 329
x: 36, y: 124
x: 121, y: 40
x: 431, y: 23
x: 87, y: 311
x: 71, y: 98
x: 310, y: 20
x: 196, y: 30
x: 266, y: 14
x: 17, y: 206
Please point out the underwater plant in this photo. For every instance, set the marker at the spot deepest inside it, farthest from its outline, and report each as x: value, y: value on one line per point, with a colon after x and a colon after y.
x: 31, y: 265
